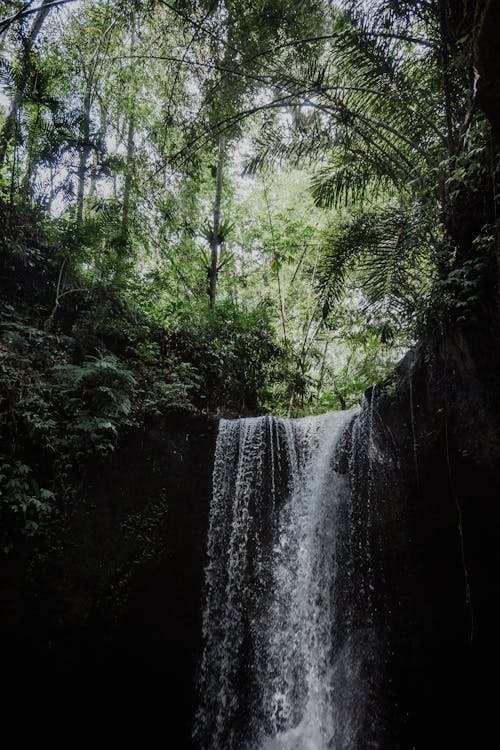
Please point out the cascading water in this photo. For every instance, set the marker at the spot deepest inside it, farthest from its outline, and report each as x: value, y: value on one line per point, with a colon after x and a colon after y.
x: 287, y: 648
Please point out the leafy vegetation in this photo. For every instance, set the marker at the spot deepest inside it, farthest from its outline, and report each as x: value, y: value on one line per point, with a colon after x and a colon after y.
x: 225, y: 207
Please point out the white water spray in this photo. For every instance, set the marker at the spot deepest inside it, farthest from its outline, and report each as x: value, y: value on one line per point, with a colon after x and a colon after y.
x: 280, y: 669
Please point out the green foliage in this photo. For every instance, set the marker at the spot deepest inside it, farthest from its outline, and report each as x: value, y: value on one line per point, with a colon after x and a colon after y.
x: 363, y: 362
x: 178, y: 393
x: 233, y: 351
x: 71, y: 391
x: 384, y: 118
x: 379, y: 249
x: 97, y: 396
x: 23, y: 503
x: 458, y: 295
x: 109, y: 162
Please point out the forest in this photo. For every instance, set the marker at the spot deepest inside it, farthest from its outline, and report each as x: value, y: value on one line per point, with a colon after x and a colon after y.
x: 228, y: 208
x: 222, y: 208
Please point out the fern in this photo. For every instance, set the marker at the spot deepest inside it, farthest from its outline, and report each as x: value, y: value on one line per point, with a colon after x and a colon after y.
x: 101, y: 382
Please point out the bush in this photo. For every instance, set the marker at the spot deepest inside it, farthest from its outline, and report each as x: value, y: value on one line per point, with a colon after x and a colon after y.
x: 234, y: 352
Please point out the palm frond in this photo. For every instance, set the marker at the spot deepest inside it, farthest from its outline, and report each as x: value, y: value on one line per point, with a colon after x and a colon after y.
x: 342, y: 246
x: 386, y: 254
x: 297, y: 144
x: 349, y: 182
x: 367, y: 116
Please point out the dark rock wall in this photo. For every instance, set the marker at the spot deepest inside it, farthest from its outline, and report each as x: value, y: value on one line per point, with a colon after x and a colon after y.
x: 101, y: 628
x: 434, y: 534
x: 486, y: 63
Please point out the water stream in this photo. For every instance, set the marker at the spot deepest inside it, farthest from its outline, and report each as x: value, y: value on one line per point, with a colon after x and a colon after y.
x: 287, y: 647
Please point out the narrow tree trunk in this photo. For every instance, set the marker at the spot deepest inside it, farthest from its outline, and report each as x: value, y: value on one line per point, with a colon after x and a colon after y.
x: 9, y: 127
x: 445, y: 72
x: 277, y: 266
x: 93, y: 178
x: 51, y: 190
x: 322, y: 372
x: 84, y: 153
x: 215, y: 240
x: 103, y: 129
x: 14, y: 165
x: 31, y: 161
x: 127, y: 187
x: 85, y: 126
x: 128, y: 181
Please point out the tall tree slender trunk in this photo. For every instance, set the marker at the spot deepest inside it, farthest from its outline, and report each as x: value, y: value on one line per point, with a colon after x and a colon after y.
x: 51, y: 189
x: 445, y: 73
x: 84, y: 151
x: 215, y: 237
x: 127, y: 187
x: 277, y: 266
x: 30, y: 167
x: 86, y: 147
x: 9, y: 128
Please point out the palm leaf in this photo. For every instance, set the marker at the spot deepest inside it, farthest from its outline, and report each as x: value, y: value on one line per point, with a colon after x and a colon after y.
x: 386, y: 254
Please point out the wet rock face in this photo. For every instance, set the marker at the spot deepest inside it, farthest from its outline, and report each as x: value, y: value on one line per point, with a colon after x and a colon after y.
x: 435, y: 515
x: 104, y: 624
x: 487, y: 66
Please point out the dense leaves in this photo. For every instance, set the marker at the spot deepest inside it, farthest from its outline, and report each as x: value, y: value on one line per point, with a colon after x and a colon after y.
x: 228, y: 207
x: 72, y: 384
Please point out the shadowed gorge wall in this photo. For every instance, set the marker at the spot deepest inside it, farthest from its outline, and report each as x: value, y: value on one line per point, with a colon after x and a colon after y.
x: 434, y: 536
x: 102, y: 627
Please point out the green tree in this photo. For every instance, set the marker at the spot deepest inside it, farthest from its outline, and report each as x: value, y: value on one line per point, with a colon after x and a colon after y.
x: 388, y: 119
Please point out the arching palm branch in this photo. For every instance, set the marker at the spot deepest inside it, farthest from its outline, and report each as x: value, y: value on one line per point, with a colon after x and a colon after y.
x: 390, y: 254
x: 375, y: 123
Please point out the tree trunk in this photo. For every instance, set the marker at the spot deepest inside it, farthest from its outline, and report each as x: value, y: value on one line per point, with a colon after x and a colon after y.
x: 128, y: 182
x: 9, y: 129
x: 9, y: 126
x: 215, y: 239
x: 84, y: 152
x: 85, y: 126
x: 129, y: 162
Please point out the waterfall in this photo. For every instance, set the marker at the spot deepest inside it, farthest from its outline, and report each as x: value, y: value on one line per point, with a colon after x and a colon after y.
x: 289, y: 645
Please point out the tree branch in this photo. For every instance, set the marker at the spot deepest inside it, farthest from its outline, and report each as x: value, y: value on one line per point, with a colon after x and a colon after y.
x: 27, y: 11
